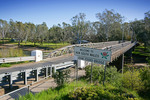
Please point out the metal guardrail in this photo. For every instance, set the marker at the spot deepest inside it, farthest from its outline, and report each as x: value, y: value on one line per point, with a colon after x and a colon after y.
x: 10, y: 77
x: 17, y: 59
x: 70, y: 49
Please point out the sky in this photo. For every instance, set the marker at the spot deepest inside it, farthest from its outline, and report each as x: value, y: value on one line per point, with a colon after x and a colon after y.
x: 54, y: 12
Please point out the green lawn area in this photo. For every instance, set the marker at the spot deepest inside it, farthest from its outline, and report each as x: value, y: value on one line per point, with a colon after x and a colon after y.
x: 13, y: 63
x: 50, y: 46
x: 140, y: 50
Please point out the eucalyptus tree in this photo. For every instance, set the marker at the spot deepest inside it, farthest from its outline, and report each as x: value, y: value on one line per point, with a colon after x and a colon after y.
x: 33, y: 36
x: 147, y: 24
x: 139, y: 31
x: 127, y: 31
x: 79, y: 26
x: 91, y: 34
x: 20, y: 31
x: 99, y: 31
x: 66, y: 32
x: 55, y: 34
x: 12, y: 29
x: 147, y: 21
x: 27, y: 31
x: 111, y: 22
x: 41, y: 31
x: 4, y: 28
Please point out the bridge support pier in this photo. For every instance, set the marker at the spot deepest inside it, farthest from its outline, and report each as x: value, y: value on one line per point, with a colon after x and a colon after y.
x: 129, y: 56
x: 10, y: 81
x: 50, y: 70
x: 36, y: 74
x: 25, y: 77
x: 118, y: 63
x: 122, y: 62
x: 54, y: 69
x: 46, y: 71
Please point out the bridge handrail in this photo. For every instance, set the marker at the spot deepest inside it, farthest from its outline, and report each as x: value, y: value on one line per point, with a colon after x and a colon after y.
x: 16, y: 74
x: 69, y: 49
x: 16, y: 59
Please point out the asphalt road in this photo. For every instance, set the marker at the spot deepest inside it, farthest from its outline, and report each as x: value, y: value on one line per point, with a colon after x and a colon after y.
x: 46, y: 62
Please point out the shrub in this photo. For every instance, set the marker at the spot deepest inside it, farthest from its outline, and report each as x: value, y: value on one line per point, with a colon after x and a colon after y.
x: 132, y: 80
x: 112, y: 76
x: 5, y: 65
x: 145, y: 77
x: 97, y: 72
x: 101, y: 93
x: 61, y: 77
x: 148, y: 60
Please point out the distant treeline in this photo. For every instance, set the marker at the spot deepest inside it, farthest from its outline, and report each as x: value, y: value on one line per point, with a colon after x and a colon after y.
x: 111, y: 26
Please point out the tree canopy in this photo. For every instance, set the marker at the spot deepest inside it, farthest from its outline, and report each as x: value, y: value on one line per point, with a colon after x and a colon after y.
x: 109, y: 27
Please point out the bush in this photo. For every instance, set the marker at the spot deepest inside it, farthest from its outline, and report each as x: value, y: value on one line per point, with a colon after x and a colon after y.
x: 132, y: 80
x: 145, y: 77
x: 5, y: 65
x: 97, y: 72
x: 112, y: 76
x: 101, y: 93
x: 148, y: 60
x: 61, y: 77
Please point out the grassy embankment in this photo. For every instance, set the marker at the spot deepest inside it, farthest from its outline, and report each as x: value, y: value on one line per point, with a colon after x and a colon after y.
x: 141, y: 54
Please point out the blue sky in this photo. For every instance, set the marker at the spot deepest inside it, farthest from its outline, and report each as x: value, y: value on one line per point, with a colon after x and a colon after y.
x: 54, y: 12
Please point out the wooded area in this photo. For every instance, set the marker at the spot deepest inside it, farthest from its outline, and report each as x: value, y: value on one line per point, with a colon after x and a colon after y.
x: 111, y: 26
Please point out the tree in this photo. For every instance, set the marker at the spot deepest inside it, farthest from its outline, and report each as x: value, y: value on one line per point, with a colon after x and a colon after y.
x: 20, y: 30
x: 147, y: 24
x: 79, y: 26
x: 66, y: 32
x: 61, y: 77
x: 41, y: 31
x: 27, y: 31
x: 4, y: 27
x: 139, y: 31
x: 55, y: 34
x: 109, y: 19
x: 12, y: 29
x: 33, y: 36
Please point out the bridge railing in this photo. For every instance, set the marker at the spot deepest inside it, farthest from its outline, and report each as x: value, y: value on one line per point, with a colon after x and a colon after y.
x: 70, y: 49
x: 120, y: 49
x: 23, y: 75
x: 17, y: 59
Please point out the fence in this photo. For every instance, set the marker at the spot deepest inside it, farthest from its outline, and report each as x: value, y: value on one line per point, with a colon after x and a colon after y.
x: 17, y: 59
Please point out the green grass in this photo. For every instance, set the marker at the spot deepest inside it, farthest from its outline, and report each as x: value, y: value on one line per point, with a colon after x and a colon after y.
x: 5, y: 65
x: 58, y: 93
x: 50, y: 46
x: 13, y: 63
x: 140, y: 50
x: 4, y: 53
x: 83, y: 90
